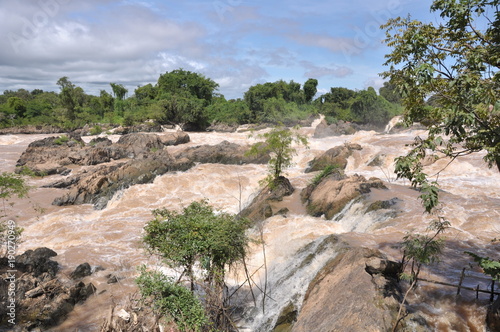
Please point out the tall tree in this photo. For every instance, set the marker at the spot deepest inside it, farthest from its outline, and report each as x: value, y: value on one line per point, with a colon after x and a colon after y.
x: 119, y: 90
x: 67, y: 96
x: 310, y: 89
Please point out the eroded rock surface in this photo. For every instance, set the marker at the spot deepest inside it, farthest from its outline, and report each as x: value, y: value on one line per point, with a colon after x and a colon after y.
x: 336, y: 156
x: 334, y: 192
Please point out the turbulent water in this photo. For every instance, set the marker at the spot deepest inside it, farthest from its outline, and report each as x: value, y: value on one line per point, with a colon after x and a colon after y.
x: 111, y: 237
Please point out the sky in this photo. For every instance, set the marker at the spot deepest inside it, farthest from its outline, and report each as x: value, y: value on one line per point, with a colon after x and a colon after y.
x: 236, y: 43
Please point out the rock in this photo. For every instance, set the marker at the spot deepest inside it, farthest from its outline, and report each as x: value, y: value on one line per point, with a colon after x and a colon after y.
x: 222, y: 153
x: 37, y: 262
x: 123, y: 315
x: 336, y: 129
x: 493, y: 315
x: 99, y: 185
x: 42, y: 300
x: 378, y: 205
x: 378, y: 160
x: 344, y: 297
x: 261, y: 206
x: 336, y: 156
x: 176, y: 138
x: 223, y: 127
x: 331, y: 195
x: 100, y: 142
x: 31, y: 130
x: 139, y: 145
x: 81, y: 271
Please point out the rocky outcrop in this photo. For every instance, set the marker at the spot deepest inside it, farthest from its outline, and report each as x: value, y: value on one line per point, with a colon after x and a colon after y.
x: 51, y: 155
x: 335, y: 129
x: 223, y: 127
x: 31, y: 130
x: 334, y: 192
x: 336, y: 156
x: 222, y: 153
x: 41, y: 299
x: 149, y: 127
x: 99, y: 185
x: 261, y: 206
x: 176, y: 138
x: 356, y: 291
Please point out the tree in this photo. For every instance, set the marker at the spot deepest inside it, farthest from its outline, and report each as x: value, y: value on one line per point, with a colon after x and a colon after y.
x: 183, y: 82
x: 199, y: 236
x: 18, y: 105
x: 456, y: 62
x: 370, y: 108
x: 310, y: 89
x: 279, y: 142
x: 119, y: 91
x: 67, y: 96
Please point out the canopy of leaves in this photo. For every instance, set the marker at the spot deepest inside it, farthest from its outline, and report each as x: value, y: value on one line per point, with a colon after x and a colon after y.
x: 455, y: 62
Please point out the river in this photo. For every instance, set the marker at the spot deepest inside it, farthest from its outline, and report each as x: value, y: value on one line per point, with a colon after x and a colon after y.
x: 111, y: 238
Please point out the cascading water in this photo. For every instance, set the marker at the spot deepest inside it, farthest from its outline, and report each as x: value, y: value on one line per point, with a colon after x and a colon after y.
x: 296, y: 246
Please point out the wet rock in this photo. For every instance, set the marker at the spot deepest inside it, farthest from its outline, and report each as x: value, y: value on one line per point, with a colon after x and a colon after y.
x: 261, y: 206
x: 336, y: 156
x: 100, y: 142
x: 223, y: 127
x: 37, y: 262
x: 31, y: 130
x: 493, y: 316
x: 378, y: 205
x: 176, y: 138
x: 286, y: 319
x: 42, y: 300
x: 331, y: 195
x: 344, y: 297
x: 83, y: 270
x: 138, y: 145
x: 335, y: 129
x: 222, y: 153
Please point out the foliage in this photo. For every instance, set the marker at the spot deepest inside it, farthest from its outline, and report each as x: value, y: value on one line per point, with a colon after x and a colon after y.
x: 96, y: 130
x: 490, y: 267
x: 279, y: 142
x: 329, y: 169
x: 172, y: 300
x: 63, y: 139
x: 200, y: 237
x: 11, y: 185
x: 456, y: 63
x: 186, y: 83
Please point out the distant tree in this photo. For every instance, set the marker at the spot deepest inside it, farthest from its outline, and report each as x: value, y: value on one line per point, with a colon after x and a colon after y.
x: 390, y: 93
x: 370, y: 108
x: 119, y: 91
x: 67, y: 97
x: 310, y: 89
x: 146, y: 93
x: 18, y: 105
x: 186, y: 83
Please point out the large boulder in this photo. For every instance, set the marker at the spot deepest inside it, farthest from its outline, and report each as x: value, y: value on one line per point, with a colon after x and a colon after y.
x: 99, y: 185
x: 323, y: 129
x: 138, y: 145
x: 336, y: 156
x: 261, y: 206
x: 333, y: 193
x: 222, y: 153
x: 176, y: 138
x: 356, y: 291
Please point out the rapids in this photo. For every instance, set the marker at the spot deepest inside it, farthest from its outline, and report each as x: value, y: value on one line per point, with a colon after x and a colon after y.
x: 111, y: 238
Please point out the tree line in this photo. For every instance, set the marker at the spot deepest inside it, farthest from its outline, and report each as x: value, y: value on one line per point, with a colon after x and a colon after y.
x: 191, y: 100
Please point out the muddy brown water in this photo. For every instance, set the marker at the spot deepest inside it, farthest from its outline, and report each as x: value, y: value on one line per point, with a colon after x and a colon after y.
x: 111, y: 238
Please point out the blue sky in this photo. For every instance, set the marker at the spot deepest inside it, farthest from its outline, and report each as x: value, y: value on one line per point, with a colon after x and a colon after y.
x: 236, y: 43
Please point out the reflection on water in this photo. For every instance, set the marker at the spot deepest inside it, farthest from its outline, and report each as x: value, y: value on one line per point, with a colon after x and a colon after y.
x: 111, y: 237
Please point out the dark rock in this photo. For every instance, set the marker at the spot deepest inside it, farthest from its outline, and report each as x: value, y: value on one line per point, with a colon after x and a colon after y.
x: 331, y: 195
x: 336, y: 156
x: 37, y: 262
x: 100, y: 142
x: 31, y: 130
x: 378, y: 205
x: 83, y: 270
x: 223, y: 127
x: 286, y: 319
x: 261, y: 206
x: 493, y: 316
